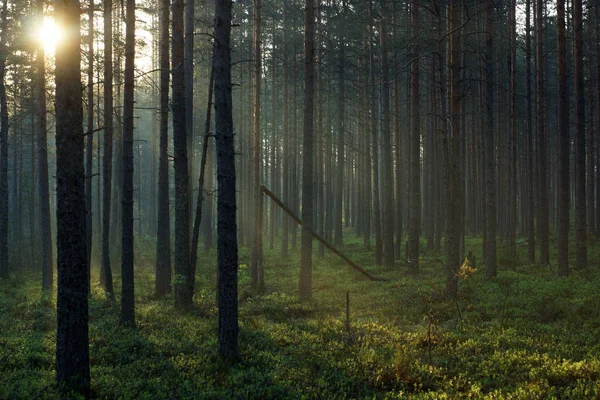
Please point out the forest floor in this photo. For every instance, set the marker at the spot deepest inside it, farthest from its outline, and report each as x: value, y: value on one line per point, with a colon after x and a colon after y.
x: 526, y: 334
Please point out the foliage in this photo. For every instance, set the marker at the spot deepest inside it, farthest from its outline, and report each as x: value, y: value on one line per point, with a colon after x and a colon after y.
x: 526, y: 334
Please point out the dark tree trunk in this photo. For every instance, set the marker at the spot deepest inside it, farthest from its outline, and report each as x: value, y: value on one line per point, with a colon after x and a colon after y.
x: 227, y: 249
x: 580, y: 149
x: 307, y: 154
x: 286, y: 137
x: 490, y: 245
x: 455, y: 223
x: 375, y: 147
x: 89, y: 139
x: 163, y: 235
x: 530, y: 223
x: 105, y: 269
x: 43, y: 186
x: 4, y: 267
x: 341, y: 127
x: 414, y: 220
x: 257, y: 247
x: 542, y: 142
x: 387, y: 178
x: 183, y: 287
x: 564, y: 148
x: 127, y: 291
x: 72, y: 346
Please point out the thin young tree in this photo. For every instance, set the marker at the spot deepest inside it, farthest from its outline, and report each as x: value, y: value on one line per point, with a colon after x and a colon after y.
x: 72, y: 345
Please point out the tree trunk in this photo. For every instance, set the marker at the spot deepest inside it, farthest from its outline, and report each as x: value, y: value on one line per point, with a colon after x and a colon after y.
x: 127, y: 291
x: 530, y: 223
x: 44, y: 191
x: 4, y: 267
x: 579, y: 94
x: 564, y: 148
x: 105, y: 269
x: 183, y: 287
x: 72, y: 347
x: 387, y: 179
x: 286, y: 136
x: 542, y: 143
x: 163, y: 235
x: 227, y: 249
x: 307, y: 154
x: 490, y: 246
x: 341, y: 127
x: 89, y: 138
x: 414, y: 221
x: 257, y: 247
x: 455, y: 223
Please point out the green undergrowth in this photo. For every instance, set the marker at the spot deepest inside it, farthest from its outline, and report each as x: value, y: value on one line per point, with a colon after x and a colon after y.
x: 524, y: 335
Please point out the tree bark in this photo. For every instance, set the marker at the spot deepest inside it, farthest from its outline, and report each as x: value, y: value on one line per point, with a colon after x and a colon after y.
x: 127, y: 256
x: 105, y: 269
x: 307, y: 154
x: 414, y: 220
x: 387, y: 178
x: 43, y: 186
x: 564, y: 148
x: 580, y: 146
x: 256, y: 267
x: 4, y: 267
x: 163, y: 235
x: 183, y: 286
x: 72, y: 347
x: 227, y: 249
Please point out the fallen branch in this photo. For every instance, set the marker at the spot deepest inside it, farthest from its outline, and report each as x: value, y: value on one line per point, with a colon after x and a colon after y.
x: 319, y: 238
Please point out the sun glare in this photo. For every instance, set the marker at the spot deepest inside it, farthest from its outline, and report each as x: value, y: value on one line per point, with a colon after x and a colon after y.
x: 49, y: 34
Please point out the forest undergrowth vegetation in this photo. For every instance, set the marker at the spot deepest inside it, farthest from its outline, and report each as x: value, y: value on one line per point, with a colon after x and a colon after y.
x: 526, y: 334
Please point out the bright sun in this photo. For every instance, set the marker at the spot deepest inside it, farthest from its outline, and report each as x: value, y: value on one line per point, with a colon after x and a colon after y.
x: 49, y: 34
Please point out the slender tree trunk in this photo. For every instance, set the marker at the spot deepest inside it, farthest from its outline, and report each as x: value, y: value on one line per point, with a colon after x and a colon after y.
x: 44, y: 191
x: 455, y: 223
x: 105, y: 270
x: 89, y: 147
x: 512, y: 165
x: 580, y: 147
x: 72, y: 347
x: 564, y: 148
x: 257, y: 248
x: 163, y: 235
x: 375, y: 146
x: 542, y: 143
x: 530, y: 223
x: 227, y: 250
x: 414, y: 221
x: 307, y: 154
x: 4, y: 267
x: 387, y: 178
x: 286, y: 136
x: 490, y: 247
x: 341, y: 127
x: 127, y: 258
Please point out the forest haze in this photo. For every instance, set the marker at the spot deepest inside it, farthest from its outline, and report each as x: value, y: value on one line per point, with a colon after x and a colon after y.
x: 283, y: 199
